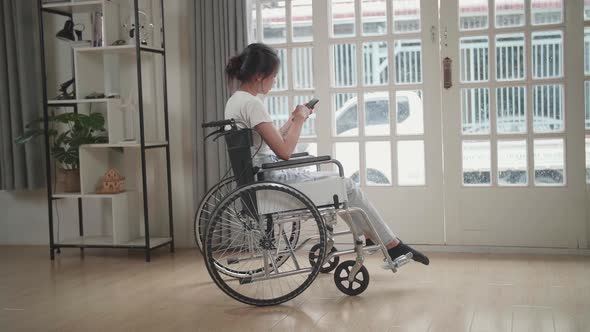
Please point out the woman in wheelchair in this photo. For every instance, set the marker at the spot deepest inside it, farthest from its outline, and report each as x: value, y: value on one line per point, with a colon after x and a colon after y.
x: 267, y: 231
x: 255, y: 69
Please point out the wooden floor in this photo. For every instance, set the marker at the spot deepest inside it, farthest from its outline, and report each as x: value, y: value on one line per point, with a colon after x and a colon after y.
x: 118, y: 291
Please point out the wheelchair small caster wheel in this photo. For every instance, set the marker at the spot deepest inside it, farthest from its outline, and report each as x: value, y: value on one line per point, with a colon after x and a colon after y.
x: 358, y: 285
x: 328, y: 266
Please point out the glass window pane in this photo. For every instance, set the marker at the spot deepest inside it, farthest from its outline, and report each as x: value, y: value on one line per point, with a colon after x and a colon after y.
x: 547, y: 108
x: 512, y: 163
x: 377, y: 113
x: 406, y: 16
x: 546, y: 11
x: 476, y: 163
x: 348, y: 155
x: 509, y: 13
x: 410, y: 163
x: 510, y: 55
x: 547, y: 54
x: 511, y: 109
x: 473, y: 14
x: 373, y: 17
x: 375, y: 64
x: 587, y: 103
x: 309, y: 124
x: 409, y: 112
x: 344, y: 65
x: 312, y: 149
x: 587, y: 51
x: 342, y: 98
x: 346, y: 114
x: 274, y: 28
x: 378, y: 171
x: 343, y: 17
x: 587, y: 159
x: 303, y: 68
x: 586, y: 10
x: 549, y: 162
x: 253, y: 24
x: 475, y: 111
x: 278, y: 108
x: 301, y: 20
x: 408, y: 61
x: 474, y: 59
x: 281, y: 82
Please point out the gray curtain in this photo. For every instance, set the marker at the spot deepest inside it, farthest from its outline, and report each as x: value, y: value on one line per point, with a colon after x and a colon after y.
x: 220, y: 31
x: 21, y: 166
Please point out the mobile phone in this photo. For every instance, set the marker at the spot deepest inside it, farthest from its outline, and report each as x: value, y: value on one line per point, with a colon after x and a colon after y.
x: 311, y: 104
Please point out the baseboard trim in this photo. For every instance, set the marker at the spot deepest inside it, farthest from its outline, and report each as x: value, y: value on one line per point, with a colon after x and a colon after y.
x: 503, y: 250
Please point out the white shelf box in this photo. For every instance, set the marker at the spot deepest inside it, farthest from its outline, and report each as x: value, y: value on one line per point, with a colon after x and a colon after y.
x: 96, y: 72
x: 96, y: 160
x: 116, y: 120
x: 119, y: 220
x: 125, y: 216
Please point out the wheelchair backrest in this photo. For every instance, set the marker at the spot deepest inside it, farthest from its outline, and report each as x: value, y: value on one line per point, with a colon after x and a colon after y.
x: 238, y: 147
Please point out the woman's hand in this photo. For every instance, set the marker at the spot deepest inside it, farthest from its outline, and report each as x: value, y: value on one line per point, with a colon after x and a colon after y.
x: 301, y: 112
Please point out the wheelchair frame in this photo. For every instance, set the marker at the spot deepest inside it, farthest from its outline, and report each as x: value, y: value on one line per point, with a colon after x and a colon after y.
x: 239, y: 151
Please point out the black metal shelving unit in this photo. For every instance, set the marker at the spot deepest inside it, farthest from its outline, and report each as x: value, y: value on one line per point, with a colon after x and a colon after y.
x: 147, y: 246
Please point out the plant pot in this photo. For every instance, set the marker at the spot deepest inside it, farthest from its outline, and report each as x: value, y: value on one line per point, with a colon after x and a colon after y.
x: 68, y: 180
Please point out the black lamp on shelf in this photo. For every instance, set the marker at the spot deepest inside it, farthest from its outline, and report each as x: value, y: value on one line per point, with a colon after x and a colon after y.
x: 69, y: 33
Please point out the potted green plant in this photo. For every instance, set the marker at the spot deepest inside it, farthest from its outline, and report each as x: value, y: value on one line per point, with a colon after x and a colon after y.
x: 67, y: 132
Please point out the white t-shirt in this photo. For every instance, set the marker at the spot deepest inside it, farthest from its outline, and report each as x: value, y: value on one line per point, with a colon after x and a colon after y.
x: 248, y: 111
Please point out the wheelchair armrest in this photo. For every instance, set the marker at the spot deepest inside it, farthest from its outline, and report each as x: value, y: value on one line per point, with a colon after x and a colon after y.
x: 299, y: 162
x: 299, y: 155
x: 303, y: 162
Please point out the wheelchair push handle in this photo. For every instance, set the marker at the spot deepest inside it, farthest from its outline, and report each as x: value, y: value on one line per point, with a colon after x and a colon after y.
x: 221, y: 130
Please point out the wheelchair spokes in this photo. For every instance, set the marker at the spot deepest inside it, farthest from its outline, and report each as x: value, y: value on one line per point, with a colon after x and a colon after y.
x: 255, y: 256
x: 212, y: 198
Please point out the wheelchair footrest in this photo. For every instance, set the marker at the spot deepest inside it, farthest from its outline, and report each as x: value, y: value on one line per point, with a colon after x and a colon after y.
x: 398, y: 262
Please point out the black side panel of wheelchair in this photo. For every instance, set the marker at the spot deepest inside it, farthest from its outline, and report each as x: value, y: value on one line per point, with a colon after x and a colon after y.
x: 238, y: 148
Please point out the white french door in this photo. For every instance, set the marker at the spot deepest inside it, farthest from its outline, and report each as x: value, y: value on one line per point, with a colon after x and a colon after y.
x: 513, y: 123
x: 495, y: 159
x: 380, y: 112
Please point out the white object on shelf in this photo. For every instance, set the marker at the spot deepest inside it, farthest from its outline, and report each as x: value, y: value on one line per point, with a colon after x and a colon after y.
x: 115, y: 121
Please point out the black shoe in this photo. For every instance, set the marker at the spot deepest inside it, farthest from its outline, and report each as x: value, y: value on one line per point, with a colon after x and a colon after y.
x: 402, y: 249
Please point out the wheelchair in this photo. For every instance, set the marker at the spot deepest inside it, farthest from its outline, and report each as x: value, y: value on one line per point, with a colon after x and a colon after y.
x: 265, y: 242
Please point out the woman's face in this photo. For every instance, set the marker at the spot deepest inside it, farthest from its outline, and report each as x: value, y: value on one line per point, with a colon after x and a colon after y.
x: 267, y: 83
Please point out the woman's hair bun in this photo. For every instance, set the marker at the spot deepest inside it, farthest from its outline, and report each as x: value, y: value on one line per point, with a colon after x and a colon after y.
x: 256, y: 59
x: 233, y: 66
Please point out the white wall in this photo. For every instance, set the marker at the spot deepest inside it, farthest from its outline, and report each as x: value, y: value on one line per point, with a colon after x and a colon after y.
x: 178, y: 22
x: 23, y: 219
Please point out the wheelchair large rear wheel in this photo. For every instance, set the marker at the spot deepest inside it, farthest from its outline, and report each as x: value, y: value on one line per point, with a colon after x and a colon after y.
x: 264, y: 231
x: 207, y: 205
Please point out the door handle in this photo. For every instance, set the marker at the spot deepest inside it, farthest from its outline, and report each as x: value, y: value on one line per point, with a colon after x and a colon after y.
x: 447, y: 73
